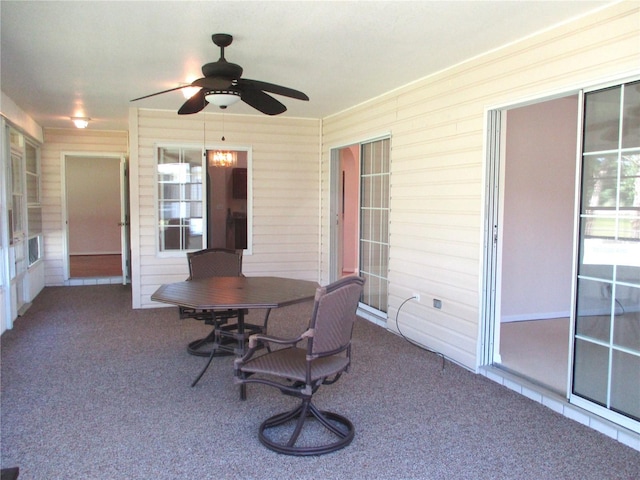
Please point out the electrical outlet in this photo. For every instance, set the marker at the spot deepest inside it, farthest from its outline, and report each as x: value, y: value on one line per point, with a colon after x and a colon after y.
x: 416, y: 296
x: 437, y: 303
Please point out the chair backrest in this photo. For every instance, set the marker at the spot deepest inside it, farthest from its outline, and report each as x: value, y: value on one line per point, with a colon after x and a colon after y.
x: 334, y: 313
x: 214, y: 262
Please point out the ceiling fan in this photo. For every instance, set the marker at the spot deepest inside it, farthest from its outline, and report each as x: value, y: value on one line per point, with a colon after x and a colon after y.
x: 223, y: 86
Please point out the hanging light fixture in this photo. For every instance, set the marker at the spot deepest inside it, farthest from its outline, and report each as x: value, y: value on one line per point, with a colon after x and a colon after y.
x: 223, y: 98
x: 220, y: 158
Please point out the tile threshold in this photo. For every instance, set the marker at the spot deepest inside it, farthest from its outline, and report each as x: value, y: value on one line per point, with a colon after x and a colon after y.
x: 561, y: 405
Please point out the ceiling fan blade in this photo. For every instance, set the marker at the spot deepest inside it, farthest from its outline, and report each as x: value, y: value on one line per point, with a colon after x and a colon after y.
x: 194, y: 104
x: 261, y: 101
x: 212, y: 83
x: 272, y: 88
x: 160, y: 93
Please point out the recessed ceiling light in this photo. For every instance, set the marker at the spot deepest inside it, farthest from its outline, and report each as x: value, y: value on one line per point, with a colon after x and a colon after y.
x: 80, y: 122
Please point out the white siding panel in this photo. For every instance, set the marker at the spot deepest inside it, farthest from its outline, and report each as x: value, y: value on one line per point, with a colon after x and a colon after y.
x: 437, y: 163
x: 285, y: 177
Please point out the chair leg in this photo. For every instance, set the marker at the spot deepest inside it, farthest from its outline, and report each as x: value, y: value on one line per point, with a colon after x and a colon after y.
x: 339, y: 426
x: 211, y: 355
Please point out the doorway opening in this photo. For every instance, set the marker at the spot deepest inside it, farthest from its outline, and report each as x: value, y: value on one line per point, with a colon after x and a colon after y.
x: 360, y: 230
x: 96, y: 211
x: 561, y: 283
x: 536, y: 232
x: 229, y: 201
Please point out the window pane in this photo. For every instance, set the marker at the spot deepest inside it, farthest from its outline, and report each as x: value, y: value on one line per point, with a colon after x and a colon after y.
x: 31, y: 158
x: 374, y: 266
x: 599, y: 181
x: 366, y: 159
x: 366, y: 191
x: 593, y: 318
x: 180, y: 199
x: 384, y: 223
x: 18, y: 215
x: 365, y: 255
x: 194, y: 159
x: 376, y: 160
x: 597, y: 247
x: 376, y: 186
x: 630, y: 181
x: 626, y: 322
x: 631, y: 273
x: 365, y: 232
x: 371, y: 294
x: 34, y: 250
x: 385, y: 156
x: 591, y: 371
x: 16, y: 174
x: 602, y: 120
x: 33, y: 194
x: 630, y: 125
x: 34, y: 221
x: 625, y: 376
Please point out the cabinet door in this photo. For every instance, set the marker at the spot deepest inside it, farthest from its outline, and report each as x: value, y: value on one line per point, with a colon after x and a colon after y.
x: 239, y: 176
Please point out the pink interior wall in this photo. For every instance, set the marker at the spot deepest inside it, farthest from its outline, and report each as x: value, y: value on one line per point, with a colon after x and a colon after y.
x: 539, y: 210
x: 350, y: 167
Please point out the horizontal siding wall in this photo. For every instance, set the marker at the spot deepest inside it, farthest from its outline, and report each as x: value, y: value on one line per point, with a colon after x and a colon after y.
x: 437, y: 164
x: 57, y: 142
x: 285, y: 178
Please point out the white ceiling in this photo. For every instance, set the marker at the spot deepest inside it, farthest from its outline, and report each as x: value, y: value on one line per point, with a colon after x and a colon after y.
x: 91, y: 58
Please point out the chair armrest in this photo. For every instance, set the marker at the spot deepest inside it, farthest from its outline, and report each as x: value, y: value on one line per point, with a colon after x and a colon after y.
x: 259, y: 337
x: 256, y: 338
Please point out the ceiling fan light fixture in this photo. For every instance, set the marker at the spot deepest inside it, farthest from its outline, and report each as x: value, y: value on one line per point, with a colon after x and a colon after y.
x: 80, y: 122
x: 223, y: 98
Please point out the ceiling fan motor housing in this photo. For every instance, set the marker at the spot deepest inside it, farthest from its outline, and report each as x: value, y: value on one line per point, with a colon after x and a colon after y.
x: 222, y: 68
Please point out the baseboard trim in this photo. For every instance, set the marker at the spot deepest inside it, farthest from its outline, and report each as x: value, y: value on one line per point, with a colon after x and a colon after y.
x: 525, y: 317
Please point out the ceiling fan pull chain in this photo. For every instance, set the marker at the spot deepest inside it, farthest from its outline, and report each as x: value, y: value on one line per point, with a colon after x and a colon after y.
x: 204, y: 135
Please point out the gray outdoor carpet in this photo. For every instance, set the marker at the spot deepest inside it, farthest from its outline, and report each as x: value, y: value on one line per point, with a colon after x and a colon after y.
x: 91, y: 389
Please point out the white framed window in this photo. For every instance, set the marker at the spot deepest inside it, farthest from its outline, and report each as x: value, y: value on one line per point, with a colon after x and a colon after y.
x: 179, y: 198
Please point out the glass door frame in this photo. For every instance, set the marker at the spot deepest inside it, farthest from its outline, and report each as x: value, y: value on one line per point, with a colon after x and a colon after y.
x: 576, y: 398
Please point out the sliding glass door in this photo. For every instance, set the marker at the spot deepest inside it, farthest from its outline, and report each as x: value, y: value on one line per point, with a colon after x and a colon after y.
x: 374, y: 222
x: 606, y: 343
